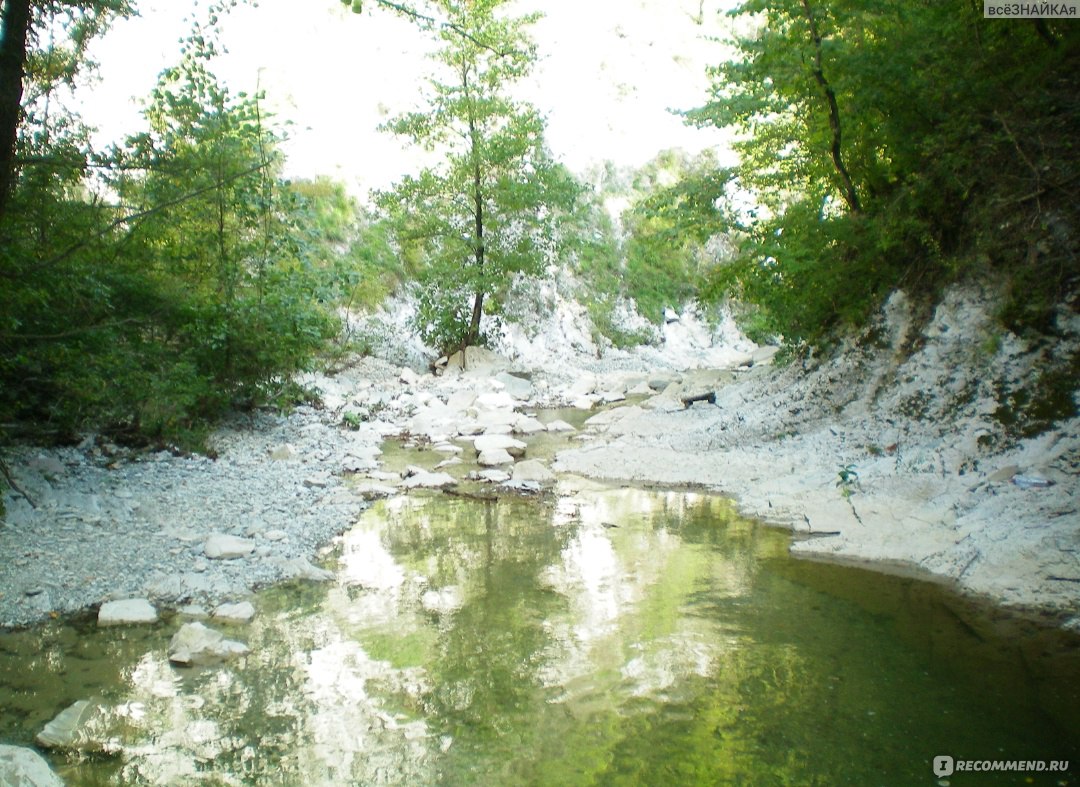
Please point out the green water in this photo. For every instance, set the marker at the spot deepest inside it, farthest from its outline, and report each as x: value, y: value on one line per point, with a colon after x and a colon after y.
x: 597, y: 636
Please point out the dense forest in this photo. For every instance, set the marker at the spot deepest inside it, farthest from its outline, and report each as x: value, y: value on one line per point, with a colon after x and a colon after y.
x: 150, y: 287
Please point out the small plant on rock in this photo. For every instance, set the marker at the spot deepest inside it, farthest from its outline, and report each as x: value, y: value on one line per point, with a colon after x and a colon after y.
x: 848, y: 481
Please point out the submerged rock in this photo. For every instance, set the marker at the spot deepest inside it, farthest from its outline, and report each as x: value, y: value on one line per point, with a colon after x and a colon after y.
x: 197, y: 645
x: 21, y: 767
x: 132, y: 610
x: 79, y: 727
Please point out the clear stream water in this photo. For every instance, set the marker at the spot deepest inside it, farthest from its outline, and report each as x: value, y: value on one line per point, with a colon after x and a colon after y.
x: 595, y: 636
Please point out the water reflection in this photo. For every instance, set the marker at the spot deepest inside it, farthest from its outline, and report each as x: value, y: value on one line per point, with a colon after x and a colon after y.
x: 604, y: 636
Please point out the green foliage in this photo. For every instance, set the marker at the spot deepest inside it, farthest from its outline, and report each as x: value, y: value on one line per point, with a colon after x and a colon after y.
x: 352, y: 248
x: 956, y: 132
x: 490, y: 209
x: 195, y: 292
x: 847, y: 480
x: 659, y: 256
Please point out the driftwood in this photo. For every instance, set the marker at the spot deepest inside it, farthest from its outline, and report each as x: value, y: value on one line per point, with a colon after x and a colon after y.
x: 11, y: 483
x: 709, y: 397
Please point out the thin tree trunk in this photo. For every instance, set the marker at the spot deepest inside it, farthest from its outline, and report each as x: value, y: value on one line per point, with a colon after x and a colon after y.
x: 851, y: 196
x: 16, y: 25
x: 473, y: 336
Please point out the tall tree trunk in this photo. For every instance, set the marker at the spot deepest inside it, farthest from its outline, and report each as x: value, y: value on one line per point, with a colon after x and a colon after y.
x: 473, y: 336
x: 16, y: 25
x: 851, y: 196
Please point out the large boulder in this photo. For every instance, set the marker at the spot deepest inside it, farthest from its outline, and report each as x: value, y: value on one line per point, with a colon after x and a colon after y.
x: 198, y: 645
x: 131, y: 610
x: 21, y: 767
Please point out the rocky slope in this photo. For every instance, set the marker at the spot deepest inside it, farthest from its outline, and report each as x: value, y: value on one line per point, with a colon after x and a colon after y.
x: 894, y: 452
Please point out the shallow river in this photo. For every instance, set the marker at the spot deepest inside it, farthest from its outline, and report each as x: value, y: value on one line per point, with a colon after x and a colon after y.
x: 597, y: 636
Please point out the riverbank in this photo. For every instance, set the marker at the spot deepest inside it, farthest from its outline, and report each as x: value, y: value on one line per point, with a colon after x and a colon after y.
x: 885, y: 454
x: 892, y: 452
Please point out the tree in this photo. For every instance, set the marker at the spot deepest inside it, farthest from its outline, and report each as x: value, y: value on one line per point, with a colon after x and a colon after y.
x: 173, y: 283
x: 487, y: 211
x: 20, y: 24
x: 897, y: 144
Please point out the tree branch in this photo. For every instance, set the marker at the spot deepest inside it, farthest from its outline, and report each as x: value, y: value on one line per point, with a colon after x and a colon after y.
x: 430, y: 22
x: 851, y: 196
x: 142, y: 214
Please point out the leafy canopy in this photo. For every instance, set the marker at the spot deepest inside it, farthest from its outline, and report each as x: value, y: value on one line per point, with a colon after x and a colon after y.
x: 488, y: 208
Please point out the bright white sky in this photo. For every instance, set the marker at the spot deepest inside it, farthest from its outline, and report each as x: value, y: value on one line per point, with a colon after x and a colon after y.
x: 609, y: 71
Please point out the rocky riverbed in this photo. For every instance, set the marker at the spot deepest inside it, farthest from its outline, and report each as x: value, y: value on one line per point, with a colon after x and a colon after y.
x: 890, y: 452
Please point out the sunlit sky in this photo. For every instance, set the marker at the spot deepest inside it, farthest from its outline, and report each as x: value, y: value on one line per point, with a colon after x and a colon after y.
x: 609, y: 73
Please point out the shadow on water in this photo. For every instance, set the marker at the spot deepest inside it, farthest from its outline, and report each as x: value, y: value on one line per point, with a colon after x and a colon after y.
x: 598, y: 636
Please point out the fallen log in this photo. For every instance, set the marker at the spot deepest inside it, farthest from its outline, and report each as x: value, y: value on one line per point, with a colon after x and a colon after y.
x: 709, y: 397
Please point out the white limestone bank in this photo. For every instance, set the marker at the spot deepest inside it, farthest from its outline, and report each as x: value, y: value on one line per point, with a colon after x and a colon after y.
x: 889, y: 455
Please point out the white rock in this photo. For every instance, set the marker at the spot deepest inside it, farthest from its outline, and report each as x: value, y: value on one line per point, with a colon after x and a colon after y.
x: 518, y: 387
x: 276, y: 535
x: 132, y: 610
x: 358, y: 464
x: 241, y: 612
x: 220, y: 546
x: 491, y: 476
x: 21, y: 767
x: 80, y: 726
x: 301, y: 568
x: 196, y: 645
x: 492, y: 442
x: 527, y: 425
x: 532, y: 470
x: 496, y: 400
x: 282, y: 453
x: 408, y: 376
x: 586, y: 402
x: 560, y: 426
x: 193, y: 612
x: 446, y: 448
x: 584, y: 385
x: 370, y: 489
x: 428, y: 480
x: 459, y: 401
x: 493, y: 457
